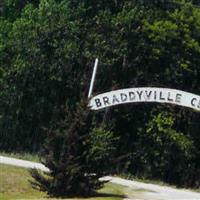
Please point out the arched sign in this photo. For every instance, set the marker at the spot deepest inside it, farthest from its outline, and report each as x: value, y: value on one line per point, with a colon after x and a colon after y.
x: 145, y: 94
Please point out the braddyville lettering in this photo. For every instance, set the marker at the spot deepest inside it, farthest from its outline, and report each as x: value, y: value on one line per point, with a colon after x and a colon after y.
x: 98, y: 102
x: 139, y: 94
x: 178, y: 98
x: 131, y: 96
x: 115, y: 100
x: 168, y: 97
x: 161, y: 97
x: 148, y: 94
x: 123, y: 97
x: 155, y: 95
x: 106, y: 101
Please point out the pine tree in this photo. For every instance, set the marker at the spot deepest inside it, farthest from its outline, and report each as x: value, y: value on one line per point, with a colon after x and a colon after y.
x: 66, y: 154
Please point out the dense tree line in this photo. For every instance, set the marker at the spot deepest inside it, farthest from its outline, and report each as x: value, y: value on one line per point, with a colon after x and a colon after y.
x: 47, y: 50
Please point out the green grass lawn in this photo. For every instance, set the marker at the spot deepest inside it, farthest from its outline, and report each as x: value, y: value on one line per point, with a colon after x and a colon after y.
x: 14, y: 184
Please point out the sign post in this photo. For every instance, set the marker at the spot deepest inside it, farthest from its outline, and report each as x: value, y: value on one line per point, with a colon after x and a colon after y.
x: 93, y: 77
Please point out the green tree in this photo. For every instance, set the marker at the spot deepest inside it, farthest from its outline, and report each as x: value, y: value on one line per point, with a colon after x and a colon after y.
x: 41, y: 72
x: 162, y: 136
x: 66, y: 154
x: 103, y: 147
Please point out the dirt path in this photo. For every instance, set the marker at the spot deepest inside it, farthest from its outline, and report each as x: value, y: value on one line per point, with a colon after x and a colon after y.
x: 22, y: 163
x: 155, y: 192
x: 146, y: 191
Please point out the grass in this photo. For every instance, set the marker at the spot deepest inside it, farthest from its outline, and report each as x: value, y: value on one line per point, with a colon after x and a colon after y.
x: 14, y: 185
x: 23, y: 156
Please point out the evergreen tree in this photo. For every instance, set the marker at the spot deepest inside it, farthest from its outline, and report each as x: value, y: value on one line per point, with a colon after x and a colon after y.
x: 66, y: 154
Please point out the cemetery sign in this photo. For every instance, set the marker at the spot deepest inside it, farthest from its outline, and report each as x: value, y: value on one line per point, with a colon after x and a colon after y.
x: 145, y: 94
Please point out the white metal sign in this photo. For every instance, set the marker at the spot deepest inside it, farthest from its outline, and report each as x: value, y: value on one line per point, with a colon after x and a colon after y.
x: 145, y: 94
